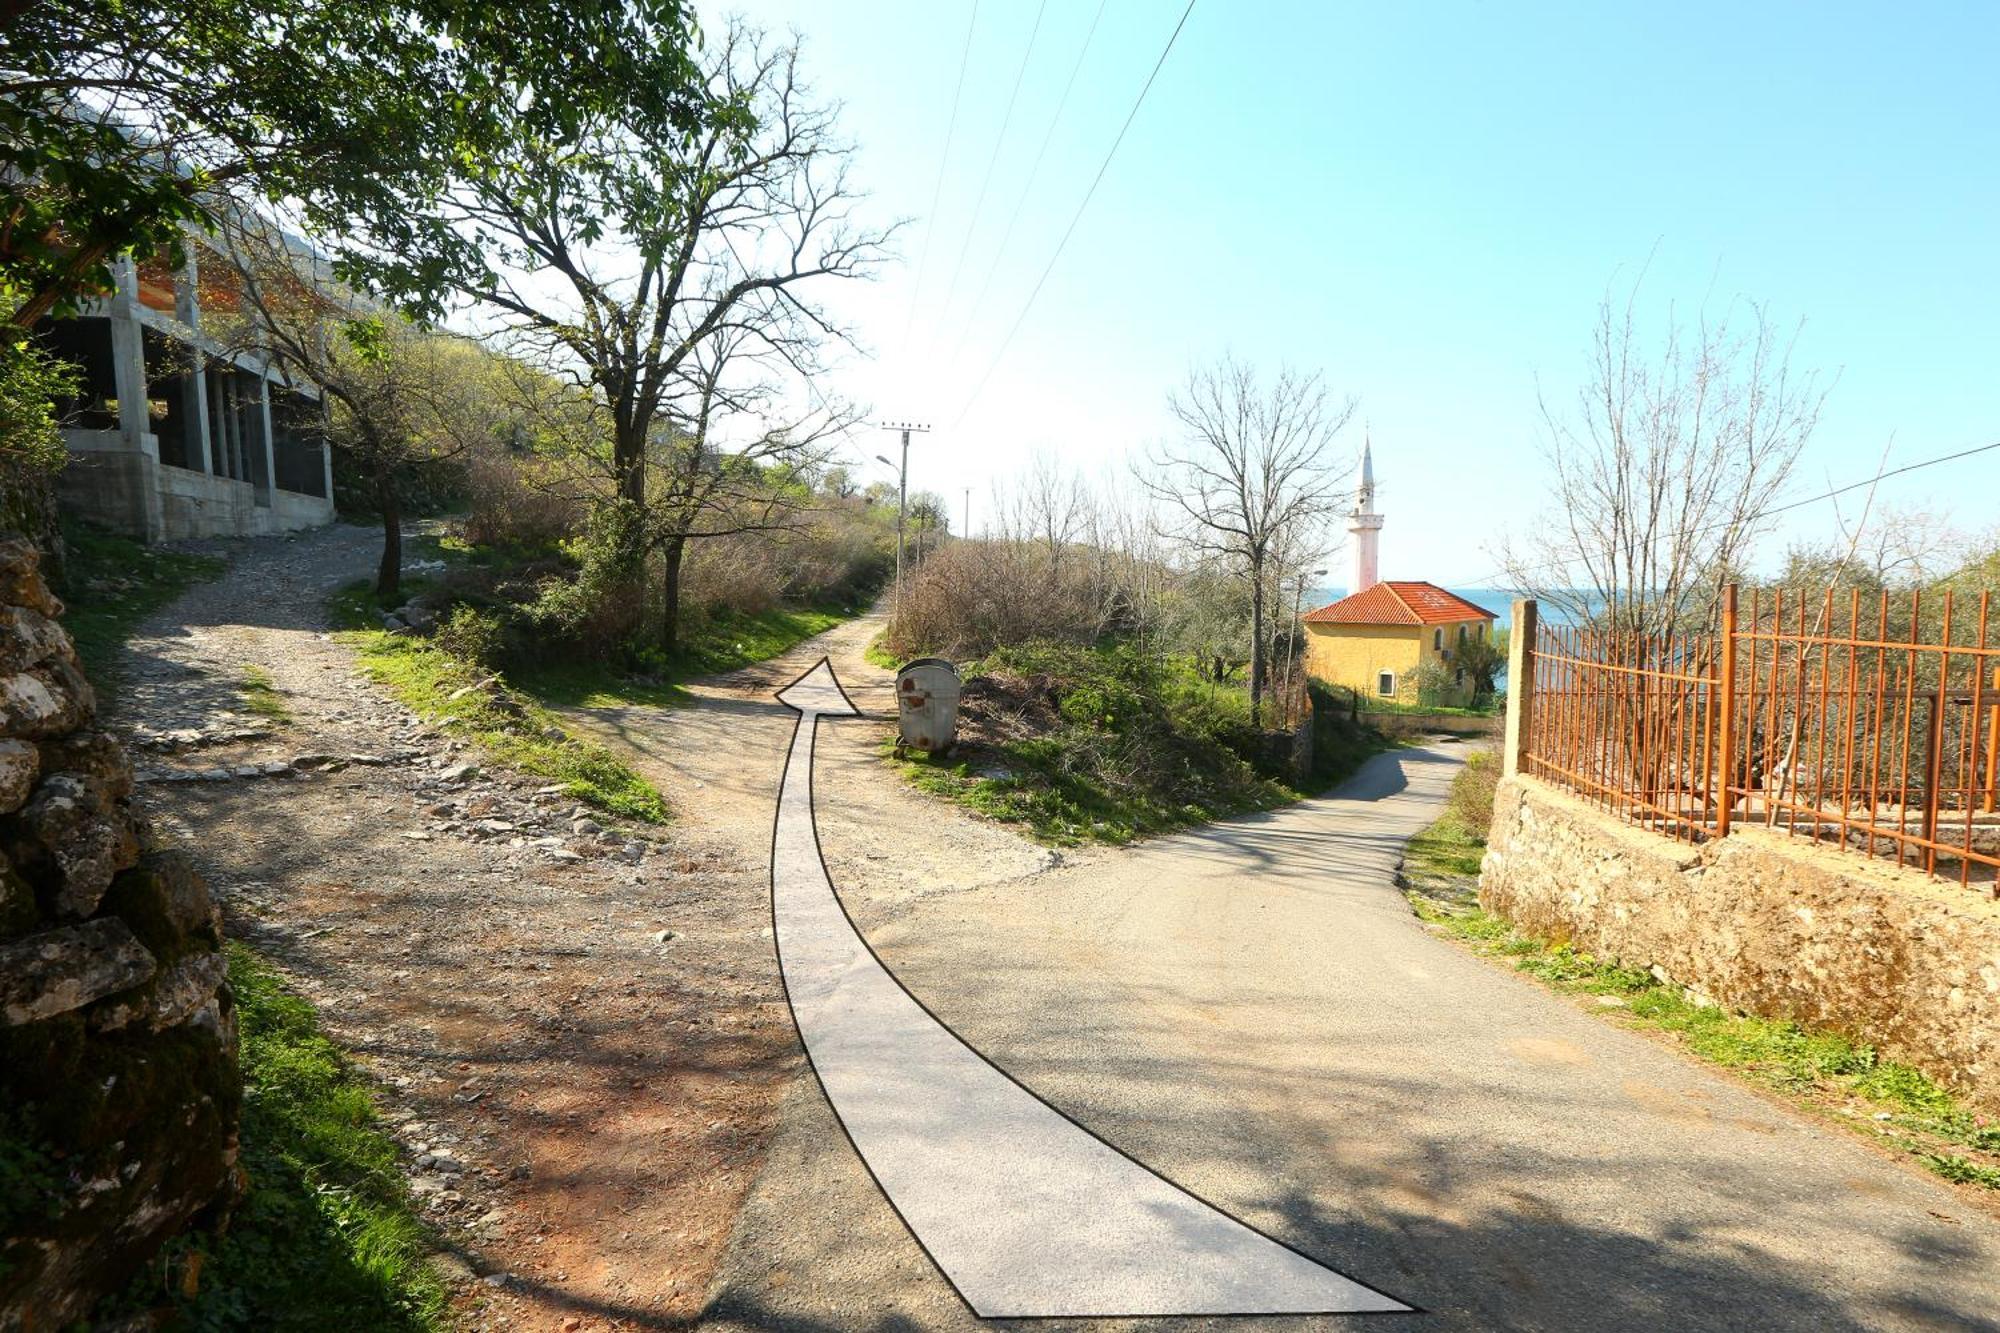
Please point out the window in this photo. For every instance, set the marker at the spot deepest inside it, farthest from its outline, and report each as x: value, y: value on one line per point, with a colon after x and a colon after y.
x: 1437, y: 639
x: 1461, y: 633
x: 1385, y: 684
x: 1458, y: 676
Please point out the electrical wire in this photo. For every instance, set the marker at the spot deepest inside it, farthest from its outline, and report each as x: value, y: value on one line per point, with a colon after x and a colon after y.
x: 1034, y: 173
x: 1076, y: 218
x: 1774, y: 510
x: 944, y: 160
x: 992, y: 161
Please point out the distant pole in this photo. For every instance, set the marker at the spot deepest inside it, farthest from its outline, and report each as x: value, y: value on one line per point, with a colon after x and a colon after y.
x: 966, y: 529
x: 902, y: 493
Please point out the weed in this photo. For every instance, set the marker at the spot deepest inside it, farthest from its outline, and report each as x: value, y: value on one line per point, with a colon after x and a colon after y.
x: 1123, y: 746
x: 261, y: 695
x: 327, y: 1237
x: 1821, y: 1070
x: 522, y: 735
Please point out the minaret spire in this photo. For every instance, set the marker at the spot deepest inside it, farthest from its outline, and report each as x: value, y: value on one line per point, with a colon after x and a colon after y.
x: 1364, y: 525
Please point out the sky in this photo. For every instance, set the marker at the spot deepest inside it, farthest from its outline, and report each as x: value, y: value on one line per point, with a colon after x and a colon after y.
x: 1425, y: 204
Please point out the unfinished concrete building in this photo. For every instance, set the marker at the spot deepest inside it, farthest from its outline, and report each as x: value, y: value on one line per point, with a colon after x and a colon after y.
x: 174, y: 435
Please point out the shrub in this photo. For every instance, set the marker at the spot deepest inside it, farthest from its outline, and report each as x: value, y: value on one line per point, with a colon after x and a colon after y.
x: 738, y: 573
x: 1434, y: 685
x: 514, y: 503
x: 1471, y: 800
x: 472, y: 635
x: 971, y: 597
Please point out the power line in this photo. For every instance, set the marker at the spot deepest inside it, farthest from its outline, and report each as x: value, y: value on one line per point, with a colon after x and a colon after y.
x: 1773, y: 511
x: 1034, y: 173
x: 1078, y: 217
x: 993, y: 160
x: 944, y: 160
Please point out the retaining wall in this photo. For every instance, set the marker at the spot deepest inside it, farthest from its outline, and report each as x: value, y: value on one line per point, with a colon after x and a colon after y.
x: 119, y: 1090
x: 1763, y: 924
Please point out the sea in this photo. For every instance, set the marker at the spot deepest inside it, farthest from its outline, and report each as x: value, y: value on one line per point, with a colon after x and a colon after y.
x: 1500, y: 601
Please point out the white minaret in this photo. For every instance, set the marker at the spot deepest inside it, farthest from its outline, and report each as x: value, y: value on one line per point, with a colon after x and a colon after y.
x: 1364, y: 527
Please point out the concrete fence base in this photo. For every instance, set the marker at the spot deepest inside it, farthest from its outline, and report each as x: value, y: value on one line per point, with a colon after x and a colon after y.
x: 1765, y: 924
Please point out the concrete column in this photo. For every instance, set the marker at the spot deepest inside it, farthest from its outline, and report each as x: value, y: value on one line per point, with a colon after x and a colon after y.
x: 326, y: 449
x: 267, y: 487
x: 194, y: 390
x: 1520, y: 686
x: 128, y: 358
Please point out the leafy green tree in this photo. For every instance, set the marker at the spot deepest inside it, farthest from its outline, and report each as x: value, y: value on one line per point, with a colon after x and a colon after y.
x: 120, y: 121
x: 1483, y: 657
x: 398, y: 396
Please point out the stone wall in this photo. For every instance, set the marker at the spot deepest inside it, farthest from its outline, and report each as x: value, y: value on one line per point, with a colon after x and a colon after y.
x: 119, y: 1089
x: 1764, y: 924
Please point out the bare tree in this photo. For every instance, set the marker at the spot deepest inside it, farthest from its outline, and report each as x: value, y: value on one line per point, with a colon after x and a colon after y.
x: 704, y: 486
x: 618, y: 268
x: 1661, y: 477
x: 1251, y: 470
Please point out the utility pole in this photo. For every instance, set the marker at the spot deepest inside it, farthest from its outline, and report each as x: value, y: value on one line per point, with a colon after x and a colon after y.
x: 902, y: 491
x: 966, y: 530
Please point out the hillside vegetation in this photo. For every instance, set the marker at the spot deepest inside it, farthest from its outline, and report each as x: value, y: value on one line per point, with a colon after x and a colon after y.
x: 1106, y: 743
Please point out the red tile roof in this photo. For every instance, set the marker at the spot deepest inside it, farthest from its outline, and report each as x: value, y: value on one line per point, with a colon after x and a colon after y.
x: 1398, y: 603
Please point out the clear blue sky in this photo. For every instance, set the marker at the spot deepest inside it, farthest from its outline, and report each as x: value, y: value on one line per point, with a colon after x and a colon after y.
x: 1425, y: 203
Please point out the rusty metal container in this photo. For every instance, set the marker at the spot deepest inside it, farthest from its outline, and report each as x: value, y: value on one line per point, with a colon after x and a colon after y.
x: 927, y: 704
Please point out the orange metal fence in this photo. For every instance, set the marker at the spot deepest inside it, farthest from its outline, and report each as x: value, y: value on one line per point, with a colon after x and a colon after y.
x: 1868, y: 722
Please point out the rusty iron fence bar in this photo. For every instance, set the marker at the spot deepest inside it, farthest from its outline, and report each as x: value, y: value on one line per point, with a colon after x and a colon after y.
x: 1874, y: 730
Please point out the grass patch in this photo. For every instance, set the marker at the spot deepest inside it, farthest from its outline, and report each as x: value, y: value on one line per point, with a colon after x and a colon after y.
x: 725, y: 641
x: 261, y: 695
x: 1099, y: 745
x: 327, y: 1238
x: 1894, y: 1103
x: 473, y: 703
x: 112, y: 583
x: 1377, y: 704
x: 877, y: 653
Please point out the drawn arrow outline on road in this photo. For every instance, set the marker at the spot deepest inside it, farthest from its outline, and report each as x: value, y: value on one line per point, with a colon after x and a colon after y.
x: 1026, y: 1212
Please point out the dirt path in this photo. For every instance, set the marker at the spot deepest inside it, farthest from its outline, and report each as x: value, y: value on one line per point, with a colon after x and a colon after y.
x: 584, y: 1099
x: 720, y: 760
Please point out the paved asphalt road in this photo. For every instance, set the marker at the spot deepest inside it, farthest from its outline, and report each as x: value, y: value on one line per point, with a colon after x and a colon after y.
x: 1253, y: 1010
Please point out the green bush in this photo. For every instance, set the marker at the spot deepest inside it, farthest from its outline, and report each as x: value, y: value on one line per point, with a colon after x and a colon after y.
x: 472, y: 635
x: 1119, y: 744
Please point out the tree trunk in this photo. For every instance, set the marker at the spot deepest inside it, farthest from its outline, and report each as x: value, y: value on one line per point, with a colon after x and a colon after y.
x: 389, y: 574
x: 1257, y: 643
x: 670, y: 595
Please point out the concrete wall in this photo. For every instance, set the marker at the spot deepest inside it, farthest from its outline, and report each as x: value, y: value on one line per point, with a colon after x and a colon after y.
x: 1428, y: 724
x: 131, y: 492
x: 1763, y: 924
x: 116, y: 477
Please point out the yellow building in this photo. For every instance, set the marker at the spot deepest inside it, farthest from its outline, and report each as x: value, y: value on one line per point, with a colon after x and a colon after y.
x: 1376, y: 641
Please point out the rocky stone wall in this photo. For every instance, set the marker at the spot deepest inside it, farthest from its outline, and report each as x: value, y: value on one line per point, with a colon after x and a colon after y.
x: 1764, y: 924
x: 119, y: 1089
